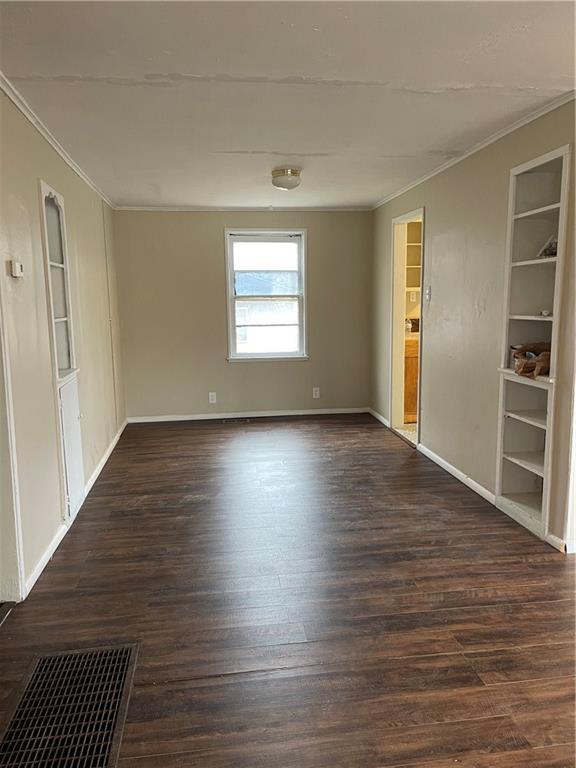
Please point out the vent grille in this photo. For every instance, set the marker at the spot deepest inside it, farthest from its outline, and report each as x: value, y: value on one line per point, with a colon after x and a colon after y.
x: 71, y: 709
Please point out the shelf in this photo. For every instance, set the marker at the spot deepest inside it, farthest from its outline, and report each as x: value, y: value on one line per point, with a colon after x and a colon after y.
x: 539, y: 381
x: 419, y: 244
x: 537, y: 211
x: 532, y: 262
x: 528, y: 503
x: 548, y: 318
x: 413, y: 266
x: 533, y: 461
x: 409, y: 290
x: 65, y: 374
x: 534, y: 418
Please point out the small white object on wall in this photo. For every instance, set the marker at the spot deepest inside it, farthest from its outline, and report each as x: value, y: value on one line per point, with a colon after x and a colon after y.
x: 16, y: 268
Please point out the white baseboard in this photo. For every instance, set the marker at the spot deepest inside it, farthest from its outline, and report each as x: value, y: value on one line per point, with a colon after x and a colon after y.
x: 66, y: 525
x: 534, y: 527
x: 100, y: 466
x: 379, y: 417
x: 519, y: 516
x: 458, y: 474
x: 10, y: 590
x: 43, y: 562
x: 557, y: 543
x: 243, y: 415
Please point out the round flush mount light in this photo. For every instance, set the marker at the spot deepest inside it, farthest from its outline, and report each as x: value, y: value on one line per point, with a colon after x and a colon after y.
x: 286, y: 178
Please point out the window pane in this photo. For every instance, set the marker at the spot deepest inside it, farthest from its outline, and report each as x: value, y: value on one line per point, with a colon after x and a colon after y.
x: 267, y: 312
x: 266, y: 283
x: 62, y: 345
x: 271, y: 339
x: 55, y: 248
x: 265, y: 255
x: 58, y: 291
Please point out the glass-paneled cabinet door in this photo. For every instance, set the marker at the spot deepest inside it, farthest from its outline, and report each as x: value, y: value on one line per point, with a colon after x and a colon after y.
x: 59, y: 283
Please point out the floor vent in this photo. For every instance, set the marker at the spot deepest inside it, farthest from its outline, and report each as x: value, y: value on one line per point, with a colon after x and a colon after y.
x: 70, y: 710
x: 236, y: 421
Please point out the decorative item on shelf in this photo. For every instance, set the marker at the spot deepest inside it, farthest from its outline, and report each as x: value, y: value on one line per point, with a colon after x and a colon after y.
x: 532, y: 360
x: 550, y: 248
x: 514, y: 349
x: 545, y: 313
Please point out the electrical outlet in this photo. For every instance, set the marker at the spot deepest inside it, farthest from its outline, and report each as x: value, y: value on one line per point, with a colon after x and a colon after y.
x: 211, y: 397
x: 316, y: 393
x: 428, y: 293
x: 412, y: 296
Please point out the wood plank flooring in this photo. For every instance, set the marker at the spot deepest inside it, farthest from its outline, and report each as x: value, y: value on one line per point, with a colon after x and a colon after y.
x: 310, y: 593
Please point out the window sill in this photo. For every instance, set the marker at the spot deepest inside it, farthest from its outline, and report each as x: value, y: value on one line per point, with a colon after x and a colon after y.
x: 269, y: 359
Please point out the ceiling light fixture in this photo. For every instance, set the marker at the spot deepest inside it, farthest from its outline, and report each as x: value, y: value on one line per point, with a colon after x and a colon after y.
x: 286, y: 178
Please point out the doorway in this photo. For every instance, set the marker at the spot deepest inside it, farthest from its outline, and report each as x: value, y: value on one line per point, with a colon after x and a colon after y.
x: 406, y: 347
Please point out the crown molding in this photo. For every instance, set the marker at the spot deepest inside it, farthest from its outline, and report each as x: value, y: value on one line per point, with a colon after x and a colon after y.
x: 566, y: 98
x: 220, y: 209
x: 22, y: 105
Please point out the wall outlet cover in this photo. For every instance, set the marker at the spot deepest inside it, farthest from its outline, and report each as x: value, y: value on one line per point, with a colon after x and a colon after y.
x: 211, y: 397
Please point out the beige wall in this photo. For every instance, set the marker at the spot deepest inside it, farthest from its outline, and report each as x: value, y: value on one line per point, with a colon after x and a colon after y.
x: 465, y: 245
x: 9, y: 566
x: 25, y: 158
x: 171, y: 269
x: 170, y: 304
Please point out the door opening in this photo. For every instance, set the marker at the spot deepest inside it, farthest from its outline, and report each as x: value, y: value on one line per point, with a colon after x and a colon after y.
x: 407, y: 270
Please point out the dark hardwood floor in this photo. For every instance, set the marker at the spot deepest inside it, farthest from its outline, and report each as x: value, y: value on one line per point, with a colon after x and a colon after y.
x: 310, y: 593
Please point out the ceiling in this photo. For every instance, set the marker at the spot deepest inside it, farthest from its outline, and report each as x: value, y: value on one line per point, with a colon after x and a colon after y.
x: 193, y: 103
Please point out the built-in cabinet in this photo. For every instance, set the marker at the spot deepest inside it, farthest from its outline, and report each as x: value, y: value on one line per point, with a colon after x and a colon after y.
x: 65, y: 370
x: 535, y: 252
x: 411, y: 381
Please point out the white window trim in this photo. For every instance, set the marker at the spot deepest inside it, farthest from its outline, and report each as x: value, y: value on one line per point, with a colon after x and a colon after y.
x: 234, y: 234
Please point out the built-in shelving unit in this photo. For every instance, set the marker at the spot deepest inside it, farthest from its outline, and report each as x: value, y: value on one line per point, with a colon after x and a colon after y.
x: 535, y: 250
x: 413, y: 260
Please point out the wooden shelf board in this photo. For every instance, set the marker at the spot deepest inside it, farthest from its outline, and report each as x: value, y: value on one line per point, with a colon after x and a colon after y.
x: 413, y: 266
x: 533, y: 461
x: 532, y: 262
x: 537, y: 211
x: 539, y: 381
x: 535, y: 418
x: 419, y: 244
x: 528, y: 503
x: 541, y: 318
x: 417, y: 288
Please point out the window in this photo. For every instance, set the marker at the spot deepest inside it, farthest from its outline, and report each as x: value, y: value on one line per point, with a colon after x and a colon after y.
x: 266, y: 312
